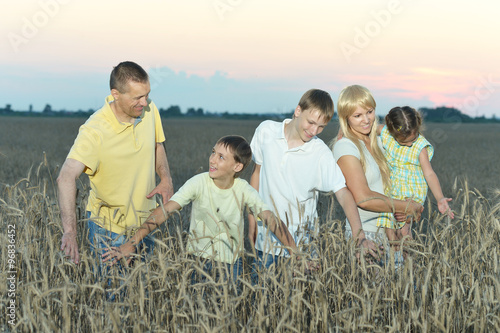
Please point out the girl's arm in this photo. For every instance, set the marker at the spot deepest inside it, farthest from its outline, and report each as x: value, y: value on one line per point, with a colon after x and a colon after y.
x: 368, y: 199
x: 379, y: 129
x: 278, y: 228
x: 157, y: 217
x: 434, y: 185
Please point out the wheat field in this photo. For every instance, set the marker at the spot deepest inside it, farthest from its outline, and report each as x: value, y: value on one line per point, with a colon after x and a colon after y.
x: 450, y: 283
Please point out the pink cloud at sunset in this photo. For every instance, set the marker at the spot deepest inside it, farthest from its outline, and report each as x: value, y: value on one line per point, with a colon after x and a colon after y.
x: 424, y: 52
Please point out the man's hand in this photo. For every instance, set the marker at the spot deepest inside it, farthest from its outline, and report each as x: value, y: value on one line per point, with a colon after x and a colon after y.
x: 165, y: 188
x: 70, y: 247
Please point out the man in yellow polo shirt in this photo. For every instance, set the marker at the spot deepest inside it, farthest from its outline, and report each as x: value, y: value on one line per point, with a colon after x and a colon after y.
x: 119, y: 147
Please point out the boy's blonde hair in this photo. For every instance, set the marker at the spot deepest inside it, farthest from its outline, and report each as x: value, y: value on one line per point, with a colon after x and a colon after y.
x: 320, y: 100
x: 239, y: 147
x: 349, y: 99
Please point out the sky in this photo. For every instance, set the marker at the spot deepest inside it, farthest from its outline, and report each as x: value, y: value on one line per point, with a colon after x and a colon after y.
x: 253, y: 56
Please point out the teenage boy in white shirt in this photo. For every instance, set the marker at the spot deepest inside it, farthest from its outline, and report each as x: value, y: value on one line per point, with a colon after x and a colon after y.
x: 291, y: 165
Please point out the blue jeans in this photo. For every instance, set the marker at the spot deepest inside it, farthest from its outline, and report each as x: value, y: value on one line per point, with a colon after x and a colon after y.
x: 100, y: 240
x: 222, y: 273
x: 218, y: 270
x: 264, y: 261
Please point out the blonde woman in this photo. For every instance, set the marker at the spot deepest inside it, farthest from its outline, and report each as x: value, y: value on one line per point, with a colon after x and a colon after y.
x: 359, y: 155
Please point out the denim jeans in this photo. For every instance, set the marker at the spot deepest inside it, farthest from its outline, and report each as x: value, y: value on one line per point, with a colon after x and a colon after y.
x: 218, y: 270
x: 221, y: 273
x: 264, y: 261
x: 100, y: 240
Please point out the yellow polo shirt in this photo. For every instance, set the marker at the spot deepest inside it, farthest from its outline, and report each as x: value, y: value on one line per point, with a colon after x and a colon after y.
x: 120, y: 162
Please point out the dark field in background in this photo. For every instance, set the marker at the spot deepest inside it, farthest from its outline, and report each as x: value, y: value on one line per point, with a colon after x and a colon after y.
x: 462, y: 151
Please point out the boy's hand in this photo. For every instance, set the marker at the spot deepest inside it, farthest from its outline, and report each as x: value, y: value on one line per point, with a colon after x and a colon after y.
x: 444, y: 208
x: 368, y: 247
x: 116, y: 253
x: 309, y: 265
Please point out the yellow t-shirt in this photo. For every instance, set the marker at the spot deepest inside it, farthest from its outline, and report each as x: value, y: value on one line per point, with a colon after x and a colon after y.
x: 120, y: 162
x: 216, y: 230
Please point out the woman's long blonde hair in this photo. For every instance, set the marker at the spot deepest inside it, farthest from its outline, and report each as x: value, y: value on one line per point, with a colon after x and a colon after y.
x: 349, y: 99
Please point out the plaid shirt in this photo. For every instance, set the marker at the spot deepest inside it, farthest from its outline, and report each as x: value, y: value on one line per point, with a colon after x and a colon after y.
x: 407, y: 177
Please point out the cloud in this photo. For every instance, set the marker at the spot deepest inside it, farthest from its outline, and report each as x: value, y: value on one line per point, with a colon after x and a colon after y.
x: 219, y: 92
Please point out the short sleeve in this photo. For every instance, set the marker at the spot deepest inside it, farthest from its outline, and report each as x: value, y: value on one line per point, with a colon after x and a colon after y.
x: 424, y: 144
x: 345, y: 147
x: 253, y: 200
x: 332, y: 178
x: 86, y: 149
x: 385, y: 137
x: 159, y: 134
x: 189, y: 191
x: 256, y: 145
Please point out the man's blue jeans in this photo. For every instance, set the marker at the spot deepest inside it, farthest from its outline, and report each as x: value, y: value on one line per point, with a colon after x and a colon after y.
x: 101, y: 239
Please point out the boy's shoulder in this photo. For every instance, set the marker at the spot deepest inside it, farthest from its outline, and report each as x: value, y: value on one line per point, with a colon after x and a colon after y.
x: 319, y: 145
x: 270, y: 125
x: 199, y: 179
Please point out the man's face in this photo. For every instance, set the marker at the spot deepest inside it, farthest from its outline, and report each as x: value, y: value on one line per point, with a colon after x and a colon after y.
x: 130, y: 104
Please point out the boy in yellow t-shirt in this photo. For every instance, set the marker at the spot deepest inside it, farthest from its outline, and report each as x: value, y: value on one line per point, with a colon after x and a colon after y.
x: 219, y: 198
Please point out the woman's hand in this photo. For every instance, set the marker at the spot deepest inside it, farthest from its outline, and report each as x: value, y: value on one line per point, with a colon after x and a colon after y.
x: 414, y: 209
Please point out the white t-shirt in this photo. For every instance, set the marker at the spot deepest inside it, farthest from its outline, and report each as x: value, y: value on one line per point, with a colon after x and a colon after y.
x: 289, y: 180
x: 217, y: 224
x: 373, y: 177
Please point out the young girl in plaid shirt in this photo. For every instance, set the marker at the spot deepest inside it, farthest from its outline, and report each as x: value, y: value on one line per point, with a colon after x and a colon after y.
x: 408, y: 155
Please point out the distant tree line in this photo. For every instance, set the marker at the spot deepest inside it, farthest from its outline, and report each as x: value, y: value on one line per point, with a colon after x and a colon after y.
x: 451, y: 115
x: 439, y: 114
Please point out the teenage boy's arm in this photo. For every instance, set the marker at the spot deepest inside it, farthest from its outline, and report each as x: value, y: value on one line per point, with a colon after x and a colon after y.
x: 279, y: 229
x: 252, y: 224
x: 346, y: 200
x: 165, y: 188
x: 434, y: 185
x: 157, y: 217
